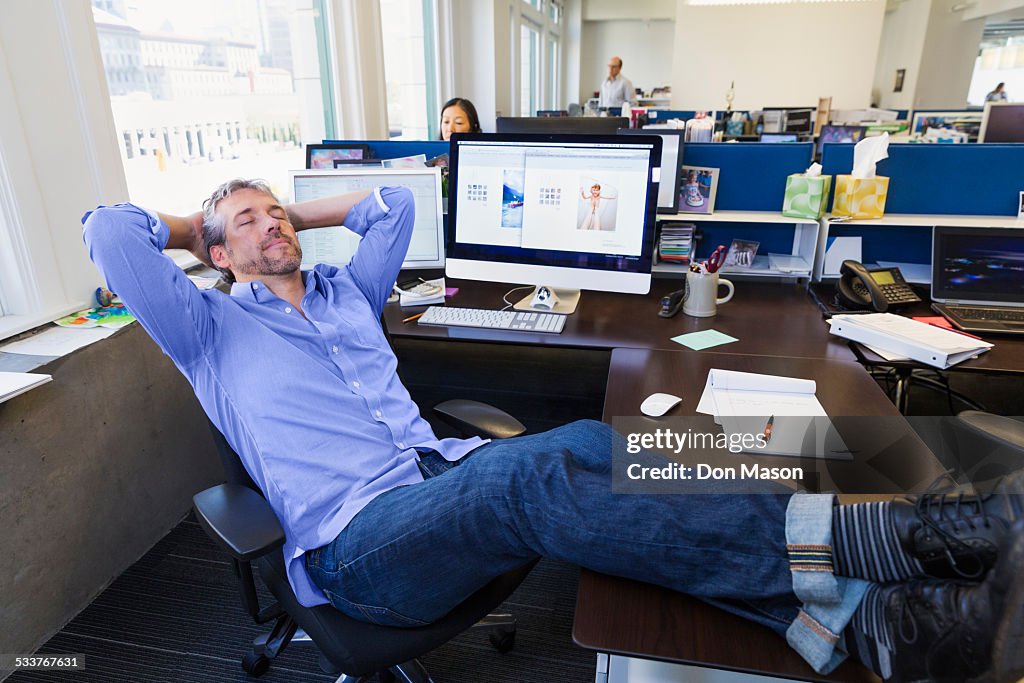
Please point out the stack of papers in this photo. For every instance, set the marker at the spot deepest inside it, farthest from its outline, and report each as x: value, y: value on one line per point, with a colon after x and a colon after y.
x: 896, y: 335
x: 14, y: 383
x: 744, y: 402
x: 676, y: 242
x: 414, y: 298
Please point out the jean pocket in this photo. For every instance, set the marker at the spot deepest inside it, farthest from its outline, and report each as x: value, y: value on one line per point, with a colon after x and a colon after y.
x: 381, y: 616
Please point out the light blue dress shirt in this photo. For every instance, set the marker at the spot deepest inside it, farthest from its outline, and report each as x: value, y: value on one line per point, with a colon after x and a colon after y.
x: 312, y: 405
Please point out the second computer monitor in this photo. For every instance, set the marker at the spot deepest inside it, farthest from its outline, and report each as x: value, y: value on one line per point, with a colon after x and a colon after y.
x: 561, y: 125
x: 574, y: 212
x: 335, y: 246
x: 1002, y: 122
x: 670, y: 177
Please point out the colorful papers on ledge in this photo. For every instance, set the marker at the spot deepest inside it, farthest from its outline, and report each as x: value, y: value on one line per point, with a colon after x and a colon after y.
x: 114, y: 316
x: 676, y: 242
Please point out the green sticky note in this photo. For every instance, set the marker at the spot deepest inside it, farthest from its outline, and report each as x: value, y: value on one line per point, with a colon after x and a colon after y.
x: 704, y: 339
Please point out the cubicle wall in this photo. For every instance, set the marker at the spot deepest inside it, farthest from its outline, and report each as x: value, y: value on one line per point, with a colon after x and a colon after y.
x: 933, y: 184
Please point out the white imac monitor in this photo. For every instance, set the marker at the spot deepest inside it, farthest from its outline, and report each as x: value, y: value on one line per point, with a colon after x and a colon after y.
x: 565, y: 212
x: 336, y: 246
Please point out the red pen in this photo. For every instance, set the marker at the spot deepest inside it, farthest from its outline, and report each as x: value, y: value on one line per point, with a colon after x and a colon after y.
x: 953, y: 329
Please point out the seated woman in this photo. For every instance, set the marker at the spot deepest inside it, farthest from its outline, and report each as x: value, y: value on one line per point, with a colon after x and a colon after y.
x: 458, y: 115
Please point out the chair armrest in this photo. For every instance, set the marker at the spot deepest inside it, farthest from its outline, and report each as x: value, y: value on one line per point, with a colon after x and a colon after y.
x: 473, y: 417
x: 239, y: 519
x: 995, y: 429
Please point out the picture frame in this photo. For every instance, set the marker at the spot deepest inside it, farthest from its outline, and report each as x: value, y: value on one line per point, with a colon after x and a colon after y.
x: 322, y: 155
x: 741, y: 254
x: 901, y: 74
x: 697, y: 189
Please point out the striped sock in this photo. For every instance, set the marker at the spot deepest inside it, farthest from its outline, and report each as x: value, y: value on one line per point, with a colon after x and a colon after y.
x: 866, y: 636
x: 865, y: 545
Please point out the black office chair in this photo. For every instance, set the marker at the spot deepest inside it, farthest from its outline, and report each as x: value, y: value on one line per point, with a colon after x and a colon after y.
x: 239, y: 519
x: 985, y: 446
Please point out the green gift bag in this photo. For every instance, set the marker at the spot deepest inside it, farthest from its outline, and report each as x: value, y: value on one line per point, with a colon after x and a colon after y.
x: 806, y: 196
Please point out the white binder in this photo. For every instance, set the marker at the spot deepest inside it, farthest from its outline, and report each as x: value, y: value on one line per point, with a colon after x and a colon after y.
x: 916, y: 340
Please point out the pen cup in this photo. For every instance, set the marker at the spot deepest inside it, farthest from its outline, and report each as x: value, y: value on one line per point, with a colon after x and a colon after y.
x: 702, y: 300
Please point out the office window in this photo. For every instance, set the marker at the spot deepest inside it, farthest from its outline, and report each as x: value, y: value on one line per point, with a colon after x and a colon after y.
x: 410, y: 67
x: 1000, y: 60
x: 551, y: 59
x: 206, y: 90
x: 554, y: 11
x: 529, y: 57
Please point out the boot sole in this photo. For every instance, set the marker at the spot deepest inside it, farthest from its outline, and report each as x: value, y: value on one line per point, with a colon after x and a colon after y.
x: 1008, y: 645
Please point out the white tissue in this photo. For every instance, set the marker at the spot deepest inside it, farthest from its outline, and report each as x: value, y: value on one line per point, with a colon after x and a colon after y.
x: 867, y: 153
x: 813, y: 171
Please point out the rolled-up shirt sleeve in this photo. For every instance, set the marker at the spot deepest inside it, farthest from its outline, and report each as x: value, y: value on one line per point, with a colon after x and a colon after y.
x: 385, y: 222
x: 126, y: 243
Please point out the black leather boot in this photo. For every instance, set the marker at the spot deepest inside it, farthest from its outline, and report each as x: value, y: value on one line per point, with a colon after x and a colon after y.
x: 957, y: 533
x: 958, y: 631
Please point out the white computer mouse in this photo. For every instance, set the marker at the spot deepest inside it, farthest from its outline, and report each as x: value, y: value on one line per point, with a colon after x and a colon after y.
x: 658, y: 404
x: 544, y: 298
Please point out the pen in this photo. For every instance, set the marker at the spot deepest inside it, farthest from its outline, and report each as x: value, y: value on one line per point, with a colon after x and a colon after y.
x: 413, y: 317
x: 768, y: 429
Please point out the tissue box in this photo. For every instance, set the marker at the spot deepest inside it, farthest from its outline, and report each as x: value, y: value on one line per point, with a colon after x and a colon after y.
x: 860, y: 197
x: 806, y: 196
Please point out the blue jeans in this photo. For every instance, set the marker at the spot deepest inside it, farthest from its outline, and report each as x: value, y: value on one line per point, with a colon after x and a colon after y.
x: 415, y: 552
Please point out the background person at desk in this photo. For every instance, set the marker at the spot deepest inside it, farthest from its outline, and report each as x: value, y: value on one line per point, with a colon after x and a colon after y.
x: 458, y: 115
x: 392, y: 525
x: 616, y: 90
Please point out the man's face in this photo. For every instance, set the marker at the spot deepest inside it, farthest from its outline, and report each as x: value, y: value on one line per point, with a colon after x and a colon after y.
x: 614, y: 67
x: 259, y: 240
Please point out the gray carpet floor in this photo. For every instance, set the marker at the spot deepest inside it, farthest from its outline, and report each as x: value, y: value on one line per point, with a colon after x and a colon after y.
x: 175, y: 615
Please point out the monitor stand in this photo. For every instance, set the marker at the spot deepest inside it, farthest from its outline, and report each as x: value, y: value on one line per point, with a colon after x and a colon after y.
x: 566, y: 304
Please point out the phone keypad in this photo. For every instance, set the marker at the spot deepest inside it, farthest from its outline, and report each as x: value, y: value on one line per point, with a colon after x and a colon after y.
x: 899, y: 293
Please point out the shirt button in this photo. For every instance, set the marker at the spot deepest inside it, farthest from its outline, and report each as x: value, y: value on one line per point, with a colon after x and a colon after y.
x: 401, y: 444
x: 334, y: 348
x: 379, y: 414
x: 287, y: 309
x: 355, y: 384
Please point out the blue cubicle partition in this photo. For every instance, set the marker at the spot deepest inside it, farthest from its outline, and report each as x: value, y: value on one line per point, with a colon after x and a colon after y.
x: 392, y: 149
x: 944, y: 179
x: 752, y: 176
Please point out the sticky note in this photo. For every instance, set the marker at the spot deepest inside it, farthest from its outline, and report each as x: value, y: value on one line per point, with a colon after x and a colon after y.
x: 705, y: 339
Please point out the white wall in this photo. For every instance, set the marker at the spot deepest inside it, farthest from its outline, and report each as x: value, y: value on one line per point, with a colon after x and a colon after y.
x: 778, y: 55
x: 947, y: 62
x: 644, y: 46
x: 606, y: 10
x: 903, y: 37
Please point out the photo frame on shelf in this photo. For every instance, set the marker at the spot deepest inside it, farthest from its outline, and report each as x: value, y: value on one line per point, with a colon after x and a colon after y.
x: 697, y: 189
x: 741, y: 254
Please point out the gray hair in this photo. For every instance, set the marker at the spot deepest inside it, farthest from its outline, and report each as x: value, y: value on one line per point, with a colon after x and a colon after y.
x: 213, y: 223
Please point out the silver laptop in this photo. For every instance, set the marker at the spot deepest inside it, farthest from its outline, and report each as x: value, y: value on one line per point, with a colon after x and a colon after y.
x: 978, y: 278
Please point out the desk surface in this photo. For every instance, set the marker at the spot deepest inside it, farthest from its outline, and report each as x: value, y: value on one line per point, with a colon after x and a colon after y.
x: 632, y: 618
x: 768, y: 318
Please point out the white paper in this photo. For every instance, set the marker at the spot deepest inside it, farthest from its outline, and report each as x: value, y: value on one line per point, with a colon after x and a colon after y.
x: 923, y: 334
x: 839, y: 249
x: 813, y: 171
x: 732, y: 393
x: 919, y: 273
x: 58, y: 341
x: 867, y: 153
x: 15, y: 383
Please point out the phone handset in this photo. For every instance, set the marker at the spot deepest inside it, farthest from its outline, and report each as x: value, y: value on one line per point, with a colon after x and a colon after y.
x: 857, y: 288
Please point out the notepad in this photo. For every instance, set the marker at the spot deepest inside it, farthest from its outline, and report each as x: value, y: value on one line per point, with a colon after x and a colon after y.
x: 742, y: 402
x: 15, y: 383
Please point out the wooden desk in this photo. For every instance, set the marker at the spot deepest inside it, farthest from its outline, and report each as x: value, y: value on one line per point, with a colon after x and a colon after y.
x: 626, y: 617
x: 768, y: 318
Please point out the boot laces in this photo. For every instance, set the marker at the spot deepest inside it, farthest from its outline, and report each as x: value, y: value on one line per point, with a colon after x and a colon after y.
x: 932, y: 506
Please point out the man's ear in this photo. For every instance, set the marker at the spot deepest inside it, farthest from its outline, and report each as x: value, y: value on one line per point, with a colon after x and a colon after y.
x: 219, y: 256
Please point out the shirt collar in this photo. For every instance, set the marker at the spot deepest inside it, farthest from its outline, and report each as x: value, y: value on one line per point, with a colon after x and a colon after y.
x: 257, y: 291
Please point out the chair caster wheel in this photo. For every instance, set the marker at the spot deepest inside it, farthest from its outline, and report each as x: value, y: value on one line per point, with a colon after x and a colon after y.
x: 255, y: 665
x: 503, y: 641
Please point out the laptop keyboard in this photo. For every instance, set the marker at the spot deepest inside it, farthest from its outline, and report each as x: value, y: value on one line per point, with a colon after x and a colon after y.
x: 1001, y: 315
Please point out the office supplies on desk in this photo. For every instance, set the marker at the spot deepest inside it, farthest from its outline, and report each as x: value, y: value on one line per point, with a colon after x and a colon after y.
x: 421, y: 292
x: 877, y: 288
x: 701, y: 299
x: 717, y: 259
x: 658, y: 404
x: 977, y: 281
x: 15, y: 383
x: 919, y: 341
x: 413, y: 317
x: 783, y: 411
x: 446, y: 316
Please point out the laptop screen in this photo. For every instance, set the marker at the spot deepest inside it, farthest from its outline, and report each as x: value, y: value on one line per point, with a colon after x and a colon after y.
x: 978, y: 265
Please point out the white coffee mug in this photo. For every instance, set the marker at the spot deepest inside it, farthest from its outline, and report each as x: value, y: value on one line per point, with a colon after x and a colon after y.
x: 702, y: 299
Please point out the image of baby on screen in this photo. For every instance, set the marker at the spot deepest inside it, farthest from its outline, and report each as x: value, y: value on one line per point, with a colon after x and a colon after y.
x: 512, y: 193
x: 598, y: 205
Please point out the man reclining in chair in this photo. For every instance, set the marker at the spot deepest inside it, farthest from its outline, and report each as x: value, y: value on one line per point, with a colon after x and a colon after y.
x: 392, y: 525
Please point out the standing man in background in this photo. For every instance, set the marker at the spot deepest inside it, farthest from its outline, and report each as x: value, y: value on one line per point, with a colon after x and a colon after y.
x: 616, y: 90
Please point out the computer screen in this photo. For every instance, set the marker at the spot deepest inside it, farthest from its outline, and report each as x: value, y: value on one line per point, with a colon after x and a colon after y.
x: 836, y: 134
x: 670, y: 176
x: 778, y: 137
x: 563, y: 211
x: 978, y: 265
x: 336, y: 246
x: 1002, y: 122
x: 798, y: 120
x: 565, y: 125
x: 322, y: 155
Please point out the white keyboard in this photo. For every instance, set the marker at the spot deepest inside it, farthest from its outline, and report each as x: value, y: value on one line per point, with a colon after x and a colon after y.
x: 448, y: 316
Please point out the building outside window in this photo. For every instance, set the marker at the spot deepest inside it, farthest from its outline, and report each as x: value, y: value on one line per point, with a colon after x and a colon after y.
x: 206, y: 90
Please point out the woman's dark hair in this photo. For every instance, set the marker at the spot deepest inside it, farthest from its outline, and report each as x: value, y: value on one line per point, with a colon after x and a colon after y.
x: 466, y: 106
